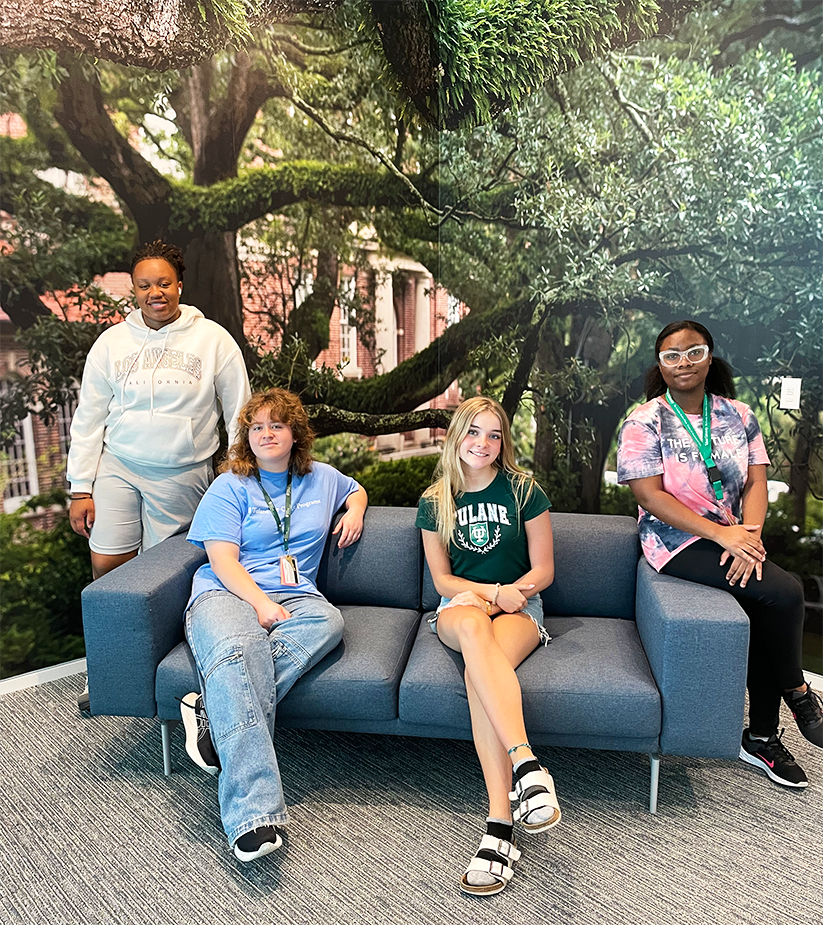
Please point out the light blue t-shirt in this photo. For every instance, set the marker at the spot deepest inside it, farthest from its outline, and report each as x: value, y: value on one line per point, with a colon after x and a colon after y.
x: 234, y: 510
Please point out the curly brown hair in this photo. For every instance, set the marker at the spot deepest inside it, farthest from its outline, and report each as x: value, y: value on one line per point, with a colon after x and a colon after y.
x: 284, y: 407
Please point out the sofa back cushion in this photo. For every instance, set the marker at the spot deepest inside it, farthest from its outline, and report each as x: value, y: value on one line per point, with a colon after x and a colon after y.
x: 595, y: 564
x: 382, y: 569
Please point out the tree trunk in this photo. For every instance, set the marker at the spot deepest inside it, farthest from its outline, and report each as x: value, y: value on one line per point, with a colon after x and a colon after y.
x: 550, y: 357
x: 605, y: 417
x: 799, y: 476
x: 81, y: 112
x: 310, y: 321
x: 216, y: 129
x: 212, y: 283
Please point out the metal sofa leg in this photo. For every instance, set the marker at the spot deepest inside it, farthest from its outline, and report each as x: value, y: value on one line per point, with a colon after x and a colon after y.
x: 654, y: 781
x: 166, y: 729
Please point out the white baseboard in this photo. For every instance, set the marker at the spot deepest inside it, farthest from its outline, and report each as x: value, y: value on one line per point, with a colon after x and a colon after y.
x: 42, y: 675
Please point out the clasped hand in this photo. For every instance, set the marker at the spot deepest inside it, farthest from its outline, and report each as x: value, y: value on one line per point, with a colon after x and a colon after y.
x: 510, y: 598
x: 742, y: 544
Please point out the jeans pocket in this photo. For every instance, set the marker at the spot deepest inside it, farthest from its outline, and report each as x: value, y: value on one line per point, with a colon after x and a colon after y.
x: 230, y: 705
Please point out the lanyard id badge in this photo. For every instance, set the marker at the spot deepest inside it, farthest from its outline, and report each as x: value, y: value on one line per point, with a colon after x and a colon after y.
x: 289, y: 571
x: 704, y: 445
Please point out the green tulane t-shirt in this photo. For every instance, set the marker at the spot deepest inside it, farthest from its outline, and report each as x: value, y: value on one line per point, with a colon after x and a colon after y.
x: 490, y: 542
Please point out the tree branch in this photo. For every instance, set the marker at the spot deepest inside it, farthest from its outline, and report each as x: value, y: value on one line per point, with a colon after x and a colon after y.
x: 231, y: 204
x: 375, y: 153
x: 328, y: 420
x: 760, y: 30
x: 82, y: 114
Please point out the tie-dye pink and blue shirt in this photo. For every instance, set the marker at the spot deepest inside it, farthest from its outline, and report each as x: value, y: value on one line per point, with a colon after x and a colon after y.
x: 652, y: 441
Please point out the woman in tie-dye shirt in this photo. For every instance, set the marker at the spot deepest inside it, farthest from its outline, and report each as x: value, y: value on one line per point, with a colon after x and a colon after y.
x: 686, y: 530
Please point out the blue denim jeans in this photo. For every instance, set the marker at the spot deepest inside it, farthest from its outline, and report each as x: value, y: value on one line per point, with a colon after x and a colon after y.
x: 245, y: 671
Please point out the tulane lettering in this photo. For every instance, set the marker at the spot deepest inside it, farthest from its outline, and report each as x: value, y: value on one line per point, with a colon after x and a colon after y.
x: 496, y: 513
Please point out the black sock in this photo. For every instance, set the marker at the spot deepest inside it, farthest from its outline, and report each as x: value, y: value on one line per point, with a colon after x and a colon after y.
x: 525, y: 767
x: 497, y: 829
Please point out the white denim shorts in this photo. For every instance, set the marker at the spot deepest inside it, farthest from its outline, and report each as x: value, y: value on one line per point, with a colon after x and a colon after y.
x: 533, y: 610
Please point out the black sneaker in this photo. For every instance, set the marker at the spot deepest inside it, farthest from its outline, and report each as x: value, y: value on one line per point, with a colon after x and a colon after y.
x: 774, y: 758
x: 257, y: 843
x: 806, y: 709
x: 198, y: 738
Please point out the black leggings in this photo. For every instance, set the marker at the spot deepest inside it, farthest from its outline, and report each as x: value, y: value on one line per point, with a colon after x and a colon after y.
x: 776, y: 611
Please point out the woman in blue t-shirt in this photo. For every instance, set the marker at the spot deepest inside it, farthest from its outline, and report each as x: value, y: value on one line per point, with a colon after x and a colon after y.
x: 488, y: 543
x: 255, y: 620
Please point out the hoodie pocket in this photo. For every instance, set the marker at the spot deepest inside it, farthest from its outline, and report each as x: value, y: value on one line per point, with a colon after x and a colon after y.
x: 154, y: 439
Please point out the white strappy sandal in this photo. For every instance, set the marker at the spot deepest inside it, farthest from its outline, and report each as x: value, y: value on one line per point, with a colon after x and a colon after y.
x: 495, y: 856
x: 535, y: 790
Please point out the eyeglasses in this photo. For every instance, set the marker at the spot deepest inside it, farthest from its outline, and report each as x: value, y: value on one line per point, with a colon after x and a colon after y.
x: 692, y: 355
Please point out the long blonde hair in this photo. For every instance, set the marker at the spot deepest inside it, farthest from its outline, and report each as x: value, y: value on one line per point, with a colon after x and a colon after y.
x: 449, y: 481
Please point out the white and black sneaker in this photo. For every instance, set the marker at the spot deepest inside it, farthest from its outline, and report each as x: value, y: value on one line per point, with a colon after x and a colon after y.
x: 199, y: 745
x: 257, y: 843
x: 774, y: 758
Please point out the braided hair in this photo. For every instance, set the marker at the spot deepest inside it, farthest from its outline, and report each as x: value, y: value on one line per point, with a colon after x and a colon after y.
x: 160, y: 250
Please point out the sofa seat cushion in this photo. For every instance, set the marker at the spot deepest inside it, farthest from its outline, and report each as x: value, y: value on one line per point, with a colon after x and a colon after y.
x: 358, y: 680
x: 361, y: 677
x: 592, y: 678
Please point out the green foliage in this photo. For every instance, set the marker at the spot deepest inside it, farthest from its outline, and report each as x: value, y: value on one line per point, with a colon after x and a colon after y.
x: 495, y: 52
x: 350, y: 453
x: 793, y: 546
x: 617, y: 499
x: 42, y: 575
x: 398, y: 482
x: 234, y: 15
x: 639, y: 189
x: 57, y: 240
x: 562, y: 487
x: 56, y: 351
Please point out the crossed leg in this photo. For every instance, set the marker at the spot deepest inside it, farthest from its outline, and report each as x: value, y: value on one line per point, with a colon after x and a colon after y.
x: 491, y: 650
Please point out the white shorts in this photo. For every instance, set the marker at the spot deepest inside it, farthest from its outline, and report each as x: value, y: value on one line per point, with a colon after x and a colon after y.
x: 137, y: 506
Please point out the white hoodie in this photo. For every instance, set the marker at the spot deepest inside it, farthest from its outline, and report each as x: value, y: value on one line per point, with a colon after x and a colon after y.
x: 154, y: 397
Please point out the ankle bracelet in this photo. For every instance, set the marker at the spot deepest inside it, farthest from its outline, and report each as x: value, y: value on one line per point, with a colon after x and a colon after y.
x: 521, y: 745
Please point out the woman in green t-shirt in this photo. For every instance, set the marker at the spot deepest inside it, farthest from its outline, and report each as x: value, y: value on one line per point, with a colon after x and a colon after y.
x: 488, y: 542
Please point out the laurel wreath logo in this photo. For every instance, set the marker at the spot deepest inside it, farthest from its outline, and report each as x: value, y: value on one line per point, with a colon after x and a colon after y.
x: 481, y: 550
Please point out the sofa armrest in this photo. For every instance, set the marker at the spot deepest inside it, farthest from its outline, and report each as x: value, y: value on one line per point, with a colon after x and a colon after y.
x: 132, y: 618
x: 696, y: 639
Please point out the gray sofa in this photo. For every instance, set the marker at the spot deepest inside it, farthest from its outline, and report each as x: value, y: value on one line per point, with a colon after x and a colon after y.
x: 638, y: 661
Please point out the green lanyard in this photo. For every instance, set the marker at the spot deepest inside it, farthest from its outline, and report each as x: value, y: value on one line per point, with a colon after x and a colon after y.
x: 704, y: 445
x: 282, y: 527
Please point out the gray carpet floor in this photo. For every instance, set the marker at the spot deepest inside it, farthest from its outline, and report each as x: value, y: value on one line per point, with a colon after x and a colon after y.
x: 91, y: 832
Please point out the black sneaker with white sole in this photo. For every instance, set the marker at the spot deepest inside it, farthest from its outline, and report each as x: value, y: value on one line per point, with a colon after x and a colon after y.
x: 807, y: 712
x: 257, y: 843
x: 199, y: 745
x: 774, y: 758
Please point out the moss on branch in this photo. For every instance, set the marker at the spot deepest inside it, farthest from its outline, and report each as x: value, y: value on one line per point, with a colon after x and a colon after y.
x: 233, y: 203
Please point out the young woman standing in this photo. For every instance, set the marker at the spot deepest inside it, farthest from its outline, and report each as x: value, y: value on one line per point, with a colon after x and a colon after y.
x: 145, y: 429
